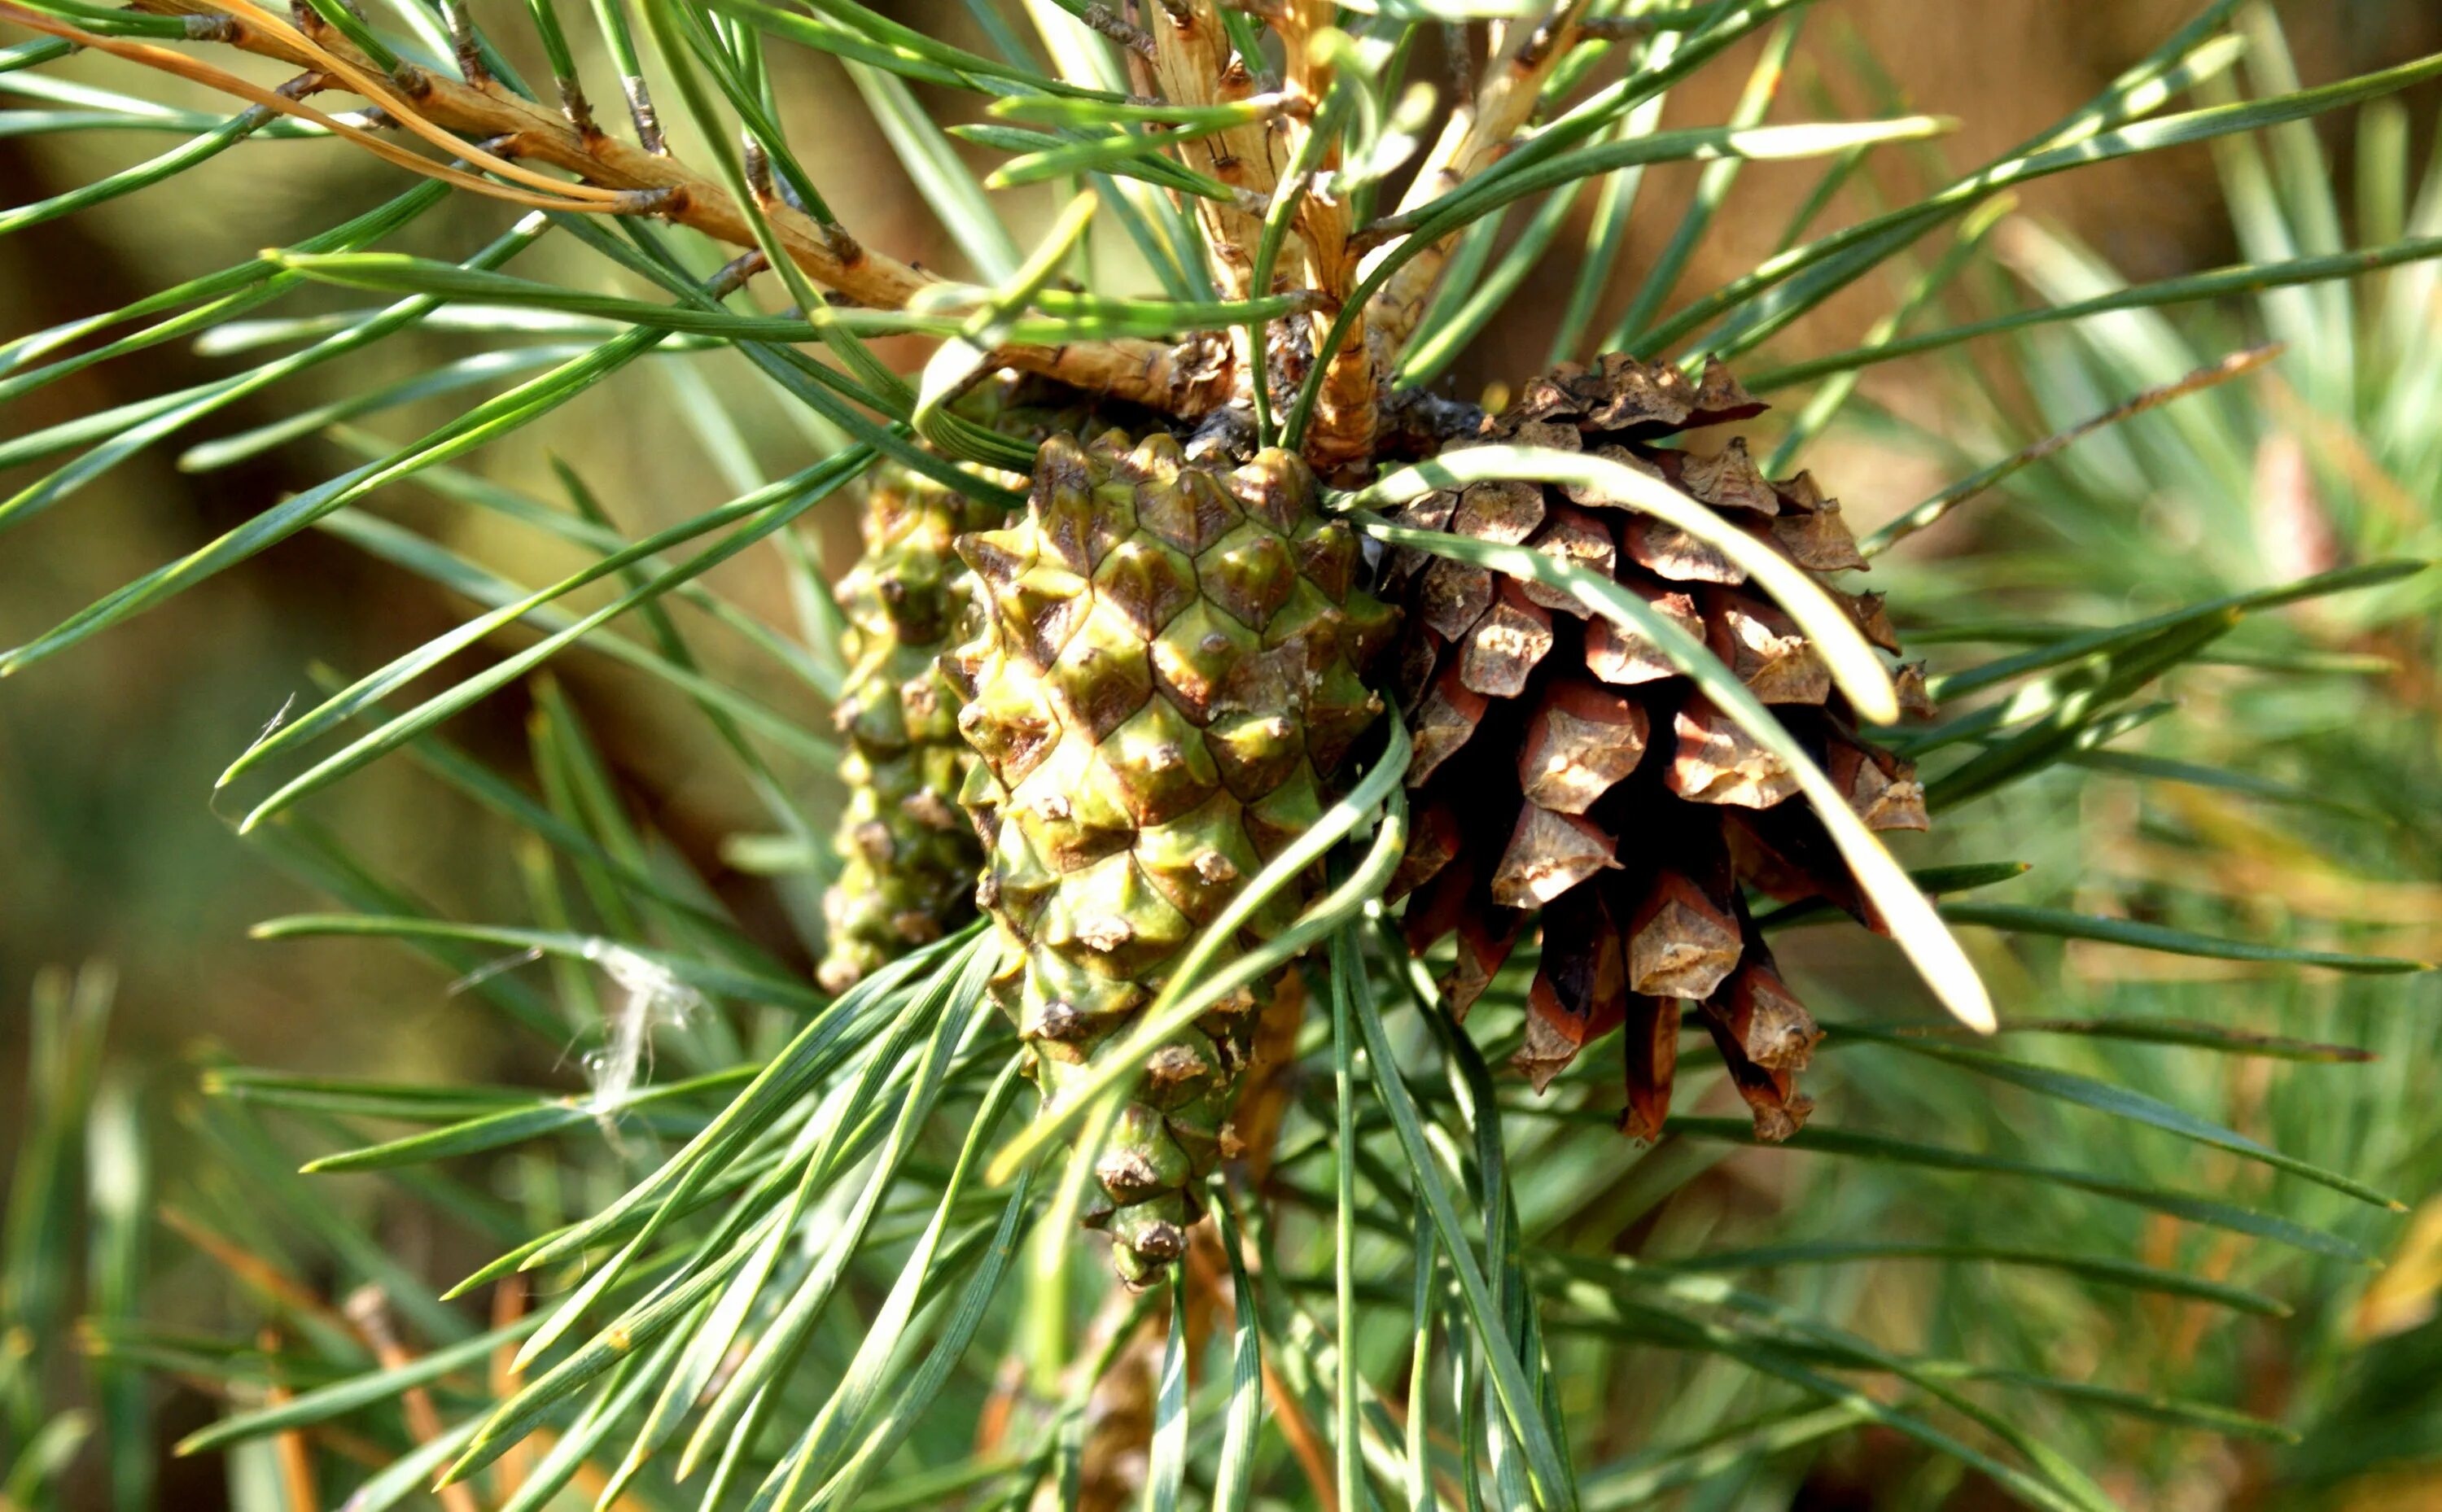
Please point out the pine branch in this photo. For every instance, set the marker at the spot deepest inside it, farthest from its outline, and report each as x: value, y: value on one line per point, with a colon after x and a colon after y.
x: 1193, y: 65
x: 1473, y: 139
x: 1182, y: 380
x: 1345, y: 411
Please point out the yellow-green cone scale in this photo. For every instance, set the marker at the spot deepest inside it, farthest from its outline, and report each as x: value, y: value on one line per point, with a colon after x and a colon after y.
x: 908, y: 857
x: 1164, y: 686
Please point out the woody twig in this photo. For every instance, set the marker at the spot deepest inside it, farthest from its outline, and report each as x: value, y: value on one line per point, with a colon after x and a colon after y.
x: 1191, y: 64
x: 1475, y: 137
x: 1345, y: 412
x: 369, y: 1310
x: 611, y: 177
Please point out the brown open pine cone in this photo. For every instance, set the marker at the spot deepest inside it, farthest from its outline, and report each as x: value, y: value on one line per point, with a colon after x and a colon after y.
x: 1563, y: 766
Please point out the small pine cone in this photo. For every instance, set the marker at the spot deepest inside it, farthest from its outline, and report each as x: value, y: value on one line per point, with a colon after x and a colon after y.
x: 1165, y: 684
x: 1567, y: 774
x: 908, y: 857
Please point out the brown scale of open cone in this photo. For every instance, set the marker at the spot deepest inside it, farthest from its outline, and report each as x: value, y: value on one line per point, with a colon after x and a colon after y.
x: 1565, y: 772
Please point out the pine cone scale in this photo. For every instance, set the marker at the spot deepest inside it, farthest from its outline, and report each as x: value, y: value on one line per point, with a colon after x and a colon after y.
x: 907, y: 856
x: 1641, y: 810
x: 1161, y: 701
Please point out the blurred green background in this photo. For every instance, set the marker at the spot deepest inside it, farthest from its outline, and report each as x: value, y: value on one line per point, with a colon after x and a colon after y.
x: 107, y: 811
x: 115, y: 850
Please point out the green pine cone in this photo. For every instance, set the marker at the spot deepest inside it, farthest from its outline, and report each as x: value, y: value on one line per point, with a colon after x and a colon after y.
x: 1166, y: 679
x: 908, y: 857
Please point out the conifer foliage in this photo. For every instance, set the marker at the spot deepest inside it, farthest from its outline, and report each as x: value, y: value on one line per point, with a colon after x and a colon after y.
x: 1314, y: 741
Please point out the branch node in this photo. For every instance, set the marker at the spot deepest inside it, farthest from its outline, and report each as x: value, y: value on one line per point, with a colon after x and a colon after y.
x: 1376, y: 232
x: 1108, y: 22
x: 462, y: 40
x: 757, y: 166
x: 1535, y: 49
x: 667, y: 200
x: 579, y: 111
x: 214, y: 29
x: 640, y: 109
x: 734, y: 273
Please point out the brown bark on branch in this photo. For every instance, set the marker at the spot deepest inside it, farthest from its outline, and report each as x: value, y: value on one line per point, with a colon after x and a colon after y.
x: 1475, y: 137
x: 1345, y: 412
x: 1181, y: 380
x: 1193, y: 65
